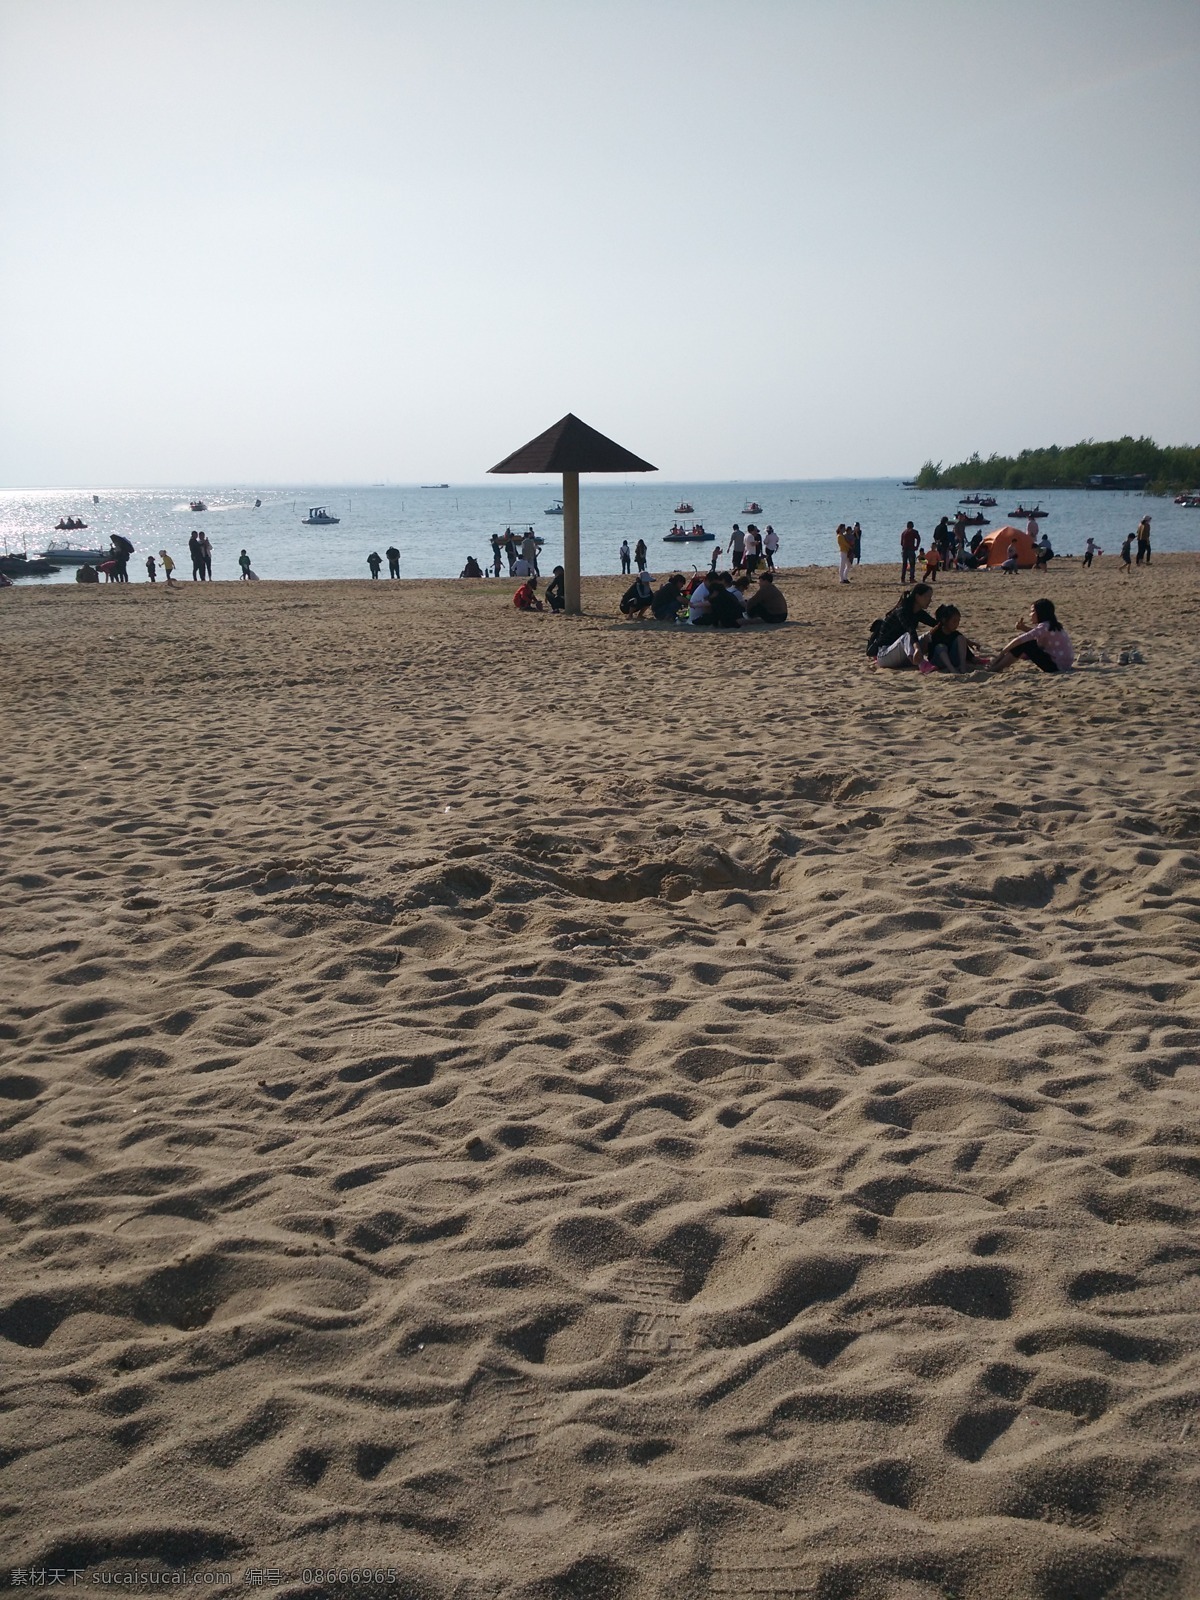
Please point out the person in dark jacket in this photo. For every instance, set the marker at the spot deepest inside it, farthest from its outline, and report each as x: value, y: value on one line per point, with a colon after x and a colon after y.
x: 893, y: 639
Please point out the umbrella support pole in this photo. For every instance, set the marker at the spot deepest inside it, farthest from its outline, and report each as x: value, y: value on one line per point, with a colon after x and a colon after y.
x: 570, y: 499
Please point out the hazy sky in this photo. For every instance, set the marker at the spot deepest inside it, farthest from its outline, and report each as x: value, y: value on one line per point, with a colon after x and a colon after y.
x: 355, y: 240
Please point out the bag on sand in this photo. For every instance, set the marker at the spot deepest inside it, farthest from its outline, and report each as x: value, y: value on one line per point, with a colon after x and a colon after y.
x: 899, y: 653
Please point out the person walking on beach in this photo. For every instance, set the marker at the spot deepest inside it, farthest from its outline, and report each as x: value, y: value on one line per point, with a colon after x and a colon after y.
x: 625, y: 556
x: 1127, y: 555
x: 1143, y: 541
x: 393, y: 561
x: 374, y: 561
x: 770, y: 545
x: 910, y: 543
x: 845, y: 546
x: 1093, y: 549
x: 168, y: 567
x: 244, y: 563
x: 639, y: 555
x: 497, y: 550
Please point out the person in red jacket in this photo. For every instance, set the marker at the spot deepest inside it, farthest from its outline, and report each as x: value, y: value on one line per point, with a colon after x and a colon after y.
x: 526, y: 598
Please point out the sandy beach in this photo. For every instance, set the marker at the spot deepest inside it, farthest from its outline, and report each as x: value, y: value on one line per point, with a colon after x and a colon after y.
x: 538, y: 1107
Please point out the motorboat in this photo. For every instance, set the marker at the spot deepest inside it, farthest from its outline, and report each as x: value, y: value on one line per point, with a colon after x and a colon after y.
x: 752, y: 509
x: 69, y: 555
x: 684, y: 509
x: 318, y: 517
x: 69, y: 525
x: 978, y: 500
x: 23, y: 566
x: 696, y: 534
x: 197, y: 505
x: 1192, y: 499
x: 977, y: 521
x: 555, y: 510
x: 1036, y: 512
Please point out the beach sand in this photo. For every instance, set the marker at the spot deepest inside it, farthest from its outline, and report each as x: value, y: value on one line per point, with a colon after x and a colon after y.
x: 567, y: 1108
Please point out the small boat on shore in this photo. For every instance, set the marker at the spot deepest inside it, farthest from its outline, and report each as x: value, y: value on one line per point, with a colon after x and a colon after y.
x: 318, y: 517
x: 685, y: 508
x: 696, y: 534
x: 22, y: 566
x: 752, y: 509
x: 197, y: 505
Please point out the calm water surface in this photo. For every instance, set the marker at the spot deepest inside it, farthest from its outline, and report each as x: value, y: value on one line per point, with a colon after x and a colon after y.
x: 436, y: 529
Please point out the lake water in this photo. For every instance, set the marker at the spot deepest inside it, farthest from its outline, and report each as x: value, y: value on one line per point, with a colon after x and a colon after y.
x: 436, y: 529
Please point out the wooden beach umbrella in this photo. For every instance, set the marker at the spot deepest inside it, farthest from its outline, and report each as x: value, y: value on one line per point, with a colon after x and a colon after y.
x: 571, y: 447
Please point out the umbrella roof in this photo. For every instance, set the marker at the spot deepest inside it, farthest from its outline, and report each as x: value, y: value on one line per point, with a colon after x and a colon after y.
x: 571, y: 446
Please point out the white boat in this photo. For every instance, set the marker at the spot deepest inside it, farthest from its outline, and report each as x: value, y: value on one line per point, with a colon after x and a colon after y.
x: 318, y: 517
x: 555, y: 510
x: 68, y: 555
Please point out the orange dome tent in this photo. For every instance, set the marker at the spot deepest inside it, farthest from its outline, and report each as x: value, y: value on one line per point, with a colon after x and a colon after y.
x: 994, y: 547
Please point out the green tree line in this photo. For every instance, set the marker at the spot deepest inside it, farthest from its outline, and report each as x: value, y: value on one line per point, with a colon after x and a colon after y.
x: 1170, y: 469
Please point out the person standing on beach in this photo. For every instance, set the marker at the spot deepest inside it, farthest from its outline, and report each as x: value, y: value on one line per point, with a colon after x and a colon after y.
x: 770, y: 545
x: 1143, y: 541
x: 639, y: 555
x: 625, y: 556
x: 737, y: 543
x: 856, y: 541
x: 752, y: 549
x: 1127, y: 555
x: 244, y: 563
x: 529, y: 552
x: 197, y: 556
x: 910, y: 543
x: 510, y: 550
x: 845, y: 546
x: 393, y: 558
x: 206, y: 556
x: 151, y: 569
x: 374, y: 561
x: 497, y: 550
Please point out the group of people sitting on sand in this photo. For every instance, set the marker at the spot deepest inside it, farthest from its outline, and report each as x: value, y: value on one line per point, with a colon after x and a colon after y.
x: 896, y: 640
x: 706, y: 600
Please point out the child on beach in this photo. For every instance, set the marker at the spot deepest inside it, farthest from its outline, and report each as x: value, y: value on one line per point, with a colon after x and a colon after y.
x: 1093, y: 549
x: 944, y: 648
x: 151, y: 569
x: 244, y: 563
x: 933, y: 560
x: 1127, y: 555
x: 1046, y: 644
x: 526, y: 598
x: 168, y: 567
